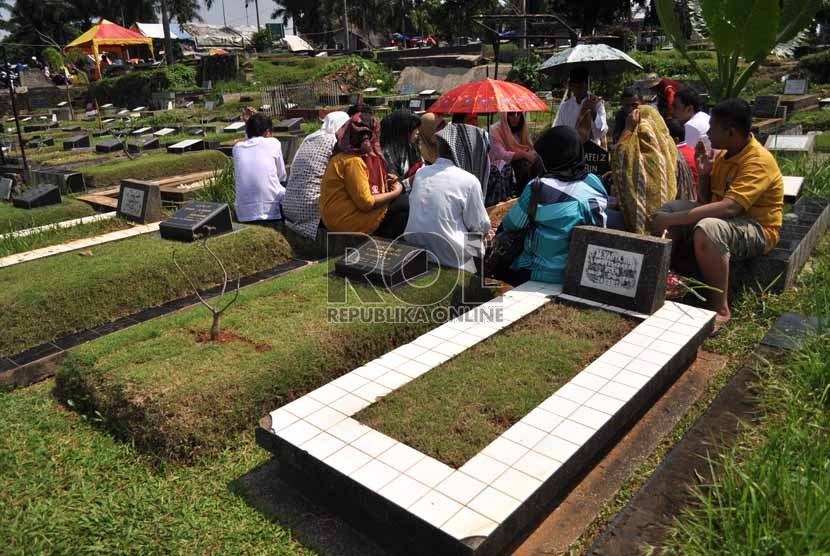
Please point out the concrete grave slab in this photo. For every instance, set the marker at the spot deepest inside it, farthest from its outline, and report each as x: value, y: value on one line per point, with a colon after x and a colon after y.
x: 164, y: 131
x: 792, y: 188
x: 791, y: 143
x: 188, y: 145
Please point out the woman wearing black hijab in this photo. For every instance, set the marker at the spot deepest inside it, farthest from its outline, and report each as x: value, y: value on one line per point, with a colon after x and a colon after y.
x: 568, y: 196
x: 399, y: 141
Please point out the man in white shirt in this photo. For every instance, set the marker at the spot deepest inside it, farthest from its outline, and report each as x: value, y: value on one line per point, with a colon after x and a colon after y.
x: 581, y: 102
x: 260, y: 171
x: 445, y: 205
x: 687, y: 109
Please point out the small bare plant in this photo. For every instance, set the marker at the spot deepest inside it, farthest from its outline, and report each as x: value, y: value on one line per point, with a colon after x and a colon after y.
x: 215, y: 309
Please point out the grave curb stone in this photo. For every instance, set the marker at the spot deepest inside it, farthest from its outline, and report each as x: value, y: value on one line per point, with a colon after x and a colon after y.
x: 649, y: 290
x: 150, y: 210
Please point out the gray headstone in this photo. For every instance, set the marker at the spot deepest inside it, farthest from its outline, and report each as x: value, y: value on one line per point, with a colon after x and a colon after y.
x: 796, y: 87
x: 791, y: 143
x: 766, y: 106
x: 139, y: 201
x: 618, y: 268
x: 383, y: 261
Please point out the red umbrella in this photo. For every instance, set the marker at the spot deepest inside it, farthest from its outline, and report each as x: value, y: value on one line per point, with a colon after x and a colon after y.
x: 488, y: 97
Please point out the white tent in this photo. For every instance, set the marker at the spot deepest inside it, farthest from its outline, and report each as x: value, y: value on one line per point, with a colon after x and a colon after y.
x: 154, y: 30
x: 296, y: 44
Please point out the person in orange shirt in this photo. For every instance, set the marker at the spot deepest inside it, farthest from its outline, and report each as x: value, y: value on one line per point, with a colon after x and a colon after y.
x: 741, y: 193
x: 356, y: 190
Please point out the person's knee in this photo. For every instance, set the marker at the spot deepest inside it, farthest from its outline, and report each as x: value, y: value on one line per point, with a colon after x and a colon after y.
x: 706, y: 236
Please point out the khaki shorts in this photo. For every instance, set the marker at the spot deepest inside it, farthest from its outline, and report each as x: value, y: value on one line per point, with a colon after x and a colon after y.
x: 738, y: 238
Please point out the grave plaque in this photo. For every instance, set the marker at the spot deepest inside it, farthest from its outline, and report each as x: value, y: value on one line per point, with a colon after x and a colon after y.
x: 618, y: 268
x: 766, y: 106
x: 40, y: 196
x: 145, y: 143
x: 596, y: 159
x: 142, y: 130
x: 791, y: 143
x: 795, y: 87
x: 109, y: 146
x: 164, y: 131
x: 139, y: 201
x: 186, y: 146
x: 792, y: 188
x: 6, y: 189
x: 194, y: 219
x: 291, y: 124
x: 391, y: 263
x: 77, y: 142
x: 236, y: 126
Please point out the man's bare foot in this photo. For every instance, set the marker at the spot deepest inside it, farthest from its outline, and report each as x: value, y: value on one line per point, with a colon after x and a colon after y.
x: 720, y: 320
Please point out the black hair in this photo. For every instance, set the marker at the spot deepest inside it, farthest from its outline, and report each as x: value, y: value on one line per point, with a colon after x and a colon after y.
x: 361, y: 108
x: 578, y: 75
x: 689, y: 98
x: 257, y: 125
x: 676, y: 129
x: 734, y: 113
x: 628, y: 92
x: 458, y: 118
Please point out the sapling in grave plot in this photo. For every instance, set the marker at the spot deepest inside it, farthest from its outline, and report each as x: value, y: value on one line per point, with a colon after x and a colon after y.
x: 215, y: 309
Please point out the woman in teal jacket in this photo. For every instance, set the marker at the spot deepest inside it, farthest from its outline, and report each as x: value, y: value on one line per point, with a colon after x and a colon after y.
x: 569, y: 196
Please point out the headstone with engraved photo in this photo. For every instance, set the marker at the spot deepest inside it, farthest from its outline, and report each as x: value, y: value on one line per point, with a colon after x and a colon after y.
x: 618, y: 268
x: 596, y: 159
x: 391, y: 263
x: 139, y: 201
x: 197, y: 219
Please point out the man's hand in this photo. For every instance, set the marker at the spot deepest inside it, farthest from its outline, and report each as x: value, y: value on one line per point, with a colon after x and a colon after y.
x: 632, y: 120
x: 660, y: 222
x: 591, y: 104
x: 531, y: 155
x: 703, y: 160
x: 396, y: 187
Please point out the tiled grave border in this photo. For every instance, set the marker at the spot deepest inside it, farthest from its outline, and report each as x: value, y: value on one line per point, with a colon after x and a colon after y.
x: 36, y: 364
x: 425, y: 506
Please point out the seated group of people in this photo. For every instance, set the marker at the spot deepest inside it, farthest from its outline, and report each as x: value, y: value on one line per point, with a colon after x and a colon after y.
x: 428, y: 180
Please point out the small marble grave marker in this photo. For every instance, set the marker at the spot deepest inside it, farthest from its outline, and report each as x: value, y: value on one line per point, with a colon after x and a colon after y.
x: 196, y: 130
x: 27, y: 119
x: 188, y: 104
x: 40, y: 196
x: 142, y: 130
x: 236, y: 126
x: 796, y: 87
x: 164, y: 131
x: 596, y: 159
x: 109, y: 146
x: 143, y: 143
x: 108, y: 121
x: 139, y: 109
x: 792, y: 188
x: 105, y: 106
x: 122, y: 112
x: 5, y: 189
x: 791, y: 143
x: 383, y: 261
x: 139, y: 201
x: 186, y: 146
x: 194, y: 219
x: 618, y: 268
x: 62, y: 104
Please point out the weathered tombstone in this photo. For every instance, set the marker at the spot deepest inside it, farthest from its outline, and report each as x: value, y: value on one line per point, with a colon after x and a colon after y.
x: 766, y: 106
x: 234, y: 127
x: 798, y: 144
x: 383, y: 261
x: 164, y: 131
x: 792, y: 188
x: 6, y: 185
x: 618, y: 268
x: 596, y: 159
x: 186, y: 146
x: 796, y: 87
x: 194, y: 220
x: 77, y: 142
x: 40, y: 196
x: 110, y: 145
x: 144, y: 143
x: 289, y: 125
x: 139, y: 201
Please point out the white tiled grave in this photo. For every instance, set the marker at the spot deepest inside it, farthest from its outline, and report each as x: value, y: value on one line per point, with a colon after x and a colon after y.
x: 482, y: 506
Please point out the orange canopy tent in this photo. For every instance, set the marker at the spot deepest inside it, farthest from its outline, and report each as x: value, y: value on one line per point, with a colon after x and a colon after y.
x: 111, y: 36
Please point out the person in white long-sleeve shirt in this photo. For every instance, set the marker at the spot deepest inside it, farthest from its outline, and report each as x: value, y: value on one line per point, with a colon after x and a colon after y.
x: 260, y: 172
x: 581, y: 101
x: 446, y: 204
x: 687, y: 109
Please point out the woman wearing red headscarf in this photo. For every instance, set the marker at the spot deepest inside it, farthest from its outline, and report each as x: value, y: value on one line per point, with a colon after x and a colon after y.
x: 356, y: 190
x: 666, y: 89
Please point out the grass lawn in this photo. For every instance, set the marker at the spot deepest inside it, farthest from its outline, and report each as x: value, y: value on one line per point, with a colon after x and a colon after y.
x: 49, y: 298
x: 159, y: 384
x: 452, y: 412
x: 823, y: 143
x: 66, y: 487
x: 13, y: 219
x: 55, y: 236
x: 151, y: 166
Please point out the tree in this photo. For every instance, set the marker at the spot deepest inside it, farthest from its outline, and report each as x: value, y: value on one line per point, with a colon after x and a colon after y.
x: 741, y: 30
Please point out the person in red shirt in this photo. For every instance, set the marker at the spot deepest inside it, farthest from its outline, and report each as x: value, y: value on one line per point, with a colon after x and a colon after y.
x: 678, y: 133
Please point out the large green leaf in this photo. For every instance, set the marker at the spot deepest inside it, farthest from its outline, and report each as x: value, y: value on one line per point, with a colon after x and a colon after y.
x: 757, y: 22
x: 722, y: 27
x: 670, y: 23
x: 795, y: 16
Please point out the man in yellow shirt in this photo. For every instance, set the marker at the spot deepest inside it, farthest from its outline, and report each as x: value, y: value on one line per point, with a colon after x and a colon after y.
x: 741, y: 194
